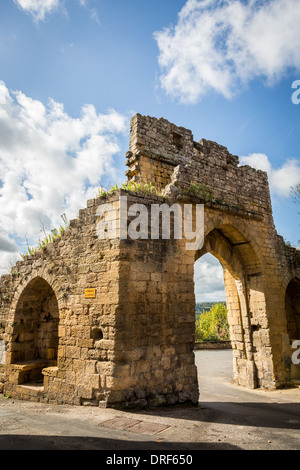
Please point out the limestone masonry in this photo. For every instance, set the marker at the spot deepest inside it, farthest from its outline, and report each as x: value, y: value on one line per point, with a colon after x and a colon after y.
x: 129, y: 340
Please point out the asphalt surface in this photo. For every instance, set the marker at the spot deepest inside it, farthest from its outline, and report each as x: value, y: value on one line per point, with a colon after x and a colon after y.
x: 227, y: 418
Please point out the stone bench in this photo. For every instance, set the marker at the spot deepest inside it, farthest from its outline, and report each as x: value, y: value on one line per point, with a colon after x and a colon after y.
x: 27, y: 371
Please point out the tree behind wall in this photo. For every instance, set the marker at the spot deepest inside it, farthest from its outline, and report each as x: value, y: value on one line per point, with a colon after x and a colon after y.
x: 212, y: 325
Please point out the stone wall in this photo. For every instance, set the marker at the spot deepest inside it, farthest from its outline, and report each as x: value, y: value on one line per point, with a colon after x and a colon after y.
x: 160, y: 150
x: 85, y: 333
x: 131, y: 342
x: 212, y: 345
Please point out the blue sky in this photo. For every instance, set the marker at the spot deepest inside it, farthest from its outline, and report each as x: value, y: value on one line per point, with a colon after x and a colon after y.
x: 72, y: 72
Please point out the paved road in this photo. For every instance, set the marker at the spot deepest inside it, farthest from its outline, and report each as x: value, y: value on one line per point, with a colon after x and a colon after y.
x: 228, y: 417
x: 266, y: 417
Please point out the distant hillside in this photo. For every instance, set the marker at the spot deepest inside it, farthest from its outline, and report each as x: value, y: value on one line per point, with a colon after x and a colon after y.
x: 205, y: 306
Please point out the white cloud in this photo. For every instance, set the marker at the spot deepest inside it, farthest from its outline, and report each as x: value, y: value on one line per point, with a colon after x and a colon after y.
x: 280, y: 179
x: 6, y: 244
x: 92, y: 11
x: 50, y: 162
x: 38, y: 8
x: 209, y: 280
x: 222, y: 46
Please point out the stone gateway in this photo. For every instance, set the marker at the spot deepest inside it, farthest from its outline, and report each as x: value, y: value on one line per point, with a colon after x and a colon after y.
x: 110, y: 321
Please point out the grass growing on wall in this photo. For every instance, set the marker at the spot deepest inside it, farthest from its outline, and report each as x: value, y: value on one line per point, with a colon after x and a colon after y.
x: 49, y: 238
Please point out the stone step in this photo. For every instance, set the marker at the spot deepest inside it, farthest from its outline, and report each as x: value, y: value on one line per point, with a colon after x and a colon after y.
x: 30, y: 390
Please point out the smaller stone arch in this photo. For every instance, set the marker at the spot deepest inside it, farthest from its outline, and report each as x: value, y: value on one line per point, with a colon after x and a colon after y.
x: 34, y: 334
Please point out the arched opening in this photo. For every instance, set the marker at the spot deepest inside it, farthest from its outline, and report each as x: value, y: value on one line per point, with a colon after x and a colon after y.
x: 292, y: 309
x: 213, y: 352
x: 35, y: 331
x: 210, y: 294
x: 244, y: 300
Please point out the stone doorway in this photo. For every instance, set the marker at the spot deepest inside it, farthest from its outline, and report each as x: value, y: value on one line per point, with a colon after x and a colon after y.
x: 212, y: 335
x: 35, y: 332
x: 241, y: 269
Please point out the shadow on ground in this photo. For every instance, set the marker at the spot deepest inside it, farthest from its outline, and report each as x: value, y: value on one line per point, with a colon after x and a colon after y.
x: 20, y: 442
x: 263, y: 415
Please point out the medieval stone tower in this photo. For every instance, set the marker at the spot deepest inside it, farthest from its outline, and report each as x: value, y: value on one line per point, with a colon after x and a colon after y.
x: 110, y: 320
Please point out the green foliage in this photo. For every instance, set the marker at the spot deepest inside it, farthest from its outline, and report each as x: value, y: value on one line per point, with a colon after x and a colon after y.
x: 201, y: 191
x: 212, y: 324
x: 133, y: 186
x: 203, y: 307
x: 296, y: 193
x: 102, y: 192
x: 113, y: 189
x: 49, y: 238
x: 149, y: 188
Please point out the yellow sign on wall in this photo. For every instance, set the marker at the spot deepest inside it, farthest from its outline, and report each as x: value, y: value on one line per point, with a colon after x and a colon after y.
x: 90, y: 293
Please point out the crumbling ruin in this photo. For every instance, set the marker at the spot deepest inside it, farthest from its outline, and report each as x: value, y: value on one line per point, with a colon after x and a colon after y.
x: 111, y: 321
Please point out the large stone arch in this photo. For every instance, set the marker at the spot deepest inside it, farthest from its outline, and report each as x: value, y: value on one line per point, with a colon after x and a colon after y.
x: 238, y: 258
